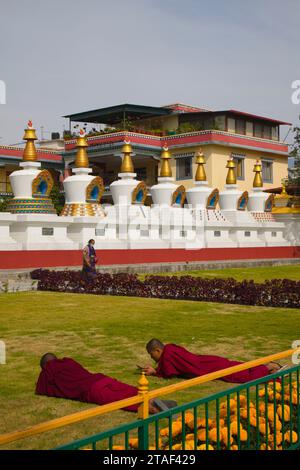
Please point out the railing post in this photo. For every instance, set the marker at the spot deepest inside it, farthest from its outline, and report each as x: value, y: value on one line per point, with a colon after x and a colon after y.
x: 143, y: 411
x: 143, y: 387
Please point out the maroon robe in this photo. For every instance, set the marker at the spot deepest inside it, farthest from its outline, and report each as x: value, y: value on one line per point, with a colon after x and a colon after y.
x: 176, y: 361
x: 66, y: 378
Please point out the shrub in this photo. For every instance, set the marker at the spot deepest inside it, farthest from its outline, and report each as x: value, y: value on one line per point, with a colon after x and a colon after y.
x: 274, y: 293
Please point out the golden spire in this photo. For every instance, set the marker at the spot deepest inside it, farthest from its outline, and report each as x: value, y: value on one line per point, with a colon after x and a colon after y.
x: 127, y: 165
x: 165, y: 169
x: 82, y: 159
x: 257, y: 182
x: 231, y: 176
x: 200, y: 161
x: 283, y: 191
x: 29, y: 154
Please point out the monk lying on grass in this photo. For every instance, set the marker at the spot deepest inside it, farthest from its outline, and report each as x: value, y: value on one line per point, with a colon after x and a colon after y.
x: 66, y: 378
x: 175, y: 361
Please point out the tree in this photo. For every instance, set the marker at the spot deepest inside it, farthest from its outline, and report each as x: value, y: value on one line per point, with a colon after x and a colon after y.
x: 294, y: 173
x: 58, y: 199
x: 4, y: 203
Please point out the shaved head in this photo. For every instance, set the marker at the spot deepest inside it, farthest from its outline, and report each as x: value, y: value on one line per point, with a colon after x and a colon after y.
x: 154, y: 344
x: 46, y: 358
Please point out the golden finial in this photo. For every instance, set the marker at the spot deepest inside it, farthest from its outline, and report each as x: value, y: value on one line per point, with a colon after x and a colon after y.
x: 127, y: 165
x: 231, y: 176
x: 257, y: 182
x: 29, y: 154
x: 165, y: 169
x: 200, y: 161
x: 82, y: 159
x: 143, y: 390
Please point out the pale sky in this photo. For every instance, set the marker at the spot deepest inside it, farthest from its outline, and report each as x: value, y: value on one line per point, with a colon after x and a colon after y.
x: 67, y: 56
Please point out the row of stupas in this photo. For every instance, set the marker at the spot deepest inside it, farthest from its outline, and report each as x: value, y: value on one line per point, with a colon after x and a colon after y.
x: 31, y: 186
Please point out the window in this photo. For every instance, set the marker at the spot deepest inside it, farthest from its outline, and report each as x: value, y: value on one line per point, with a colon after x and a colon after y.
x: 267, y: 171
x: 184, y: 167
x: 239, y: 165
x: 275, y: 133
x: 267, y: 132
x: 247, y: 234
x: 258, y: 129
x: 240, y: 126
x: 217, y: 233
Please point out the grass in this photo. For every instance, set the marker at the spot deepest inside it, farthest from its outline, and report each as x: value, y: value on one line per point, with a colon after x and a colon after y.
x: 108, y: 334
x: 258, y: 274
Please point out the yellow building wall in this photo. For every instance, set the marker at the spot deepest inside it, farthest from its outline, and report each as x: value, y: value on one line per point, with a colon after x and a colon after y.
x: 216, y: 159
x: 221, y: 154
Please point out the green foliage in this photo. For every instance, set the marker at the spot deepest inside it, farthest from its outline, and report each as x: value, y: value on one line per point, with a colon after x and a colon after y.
x: 186, y: 127
x: 58, y: 199
x: 4, y: 203
x: 294, y: 173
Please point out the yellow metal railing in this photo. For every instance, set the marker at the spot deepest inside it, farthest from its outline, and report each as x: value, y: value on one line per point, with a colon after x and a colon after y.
x: 142, y: 398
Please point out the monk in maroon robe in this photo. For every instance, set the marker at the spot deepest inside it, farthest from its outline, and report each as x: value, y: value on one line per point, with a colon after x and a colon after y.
x: 66, y: 378
x: 175, y: 361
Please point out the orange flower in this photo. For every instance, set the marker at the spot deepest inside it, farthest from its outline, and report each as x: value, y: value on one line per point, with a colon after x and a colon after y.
x: 243, y: 435
x: 176, y: 429
x: 189, y: 445
x: 294, y: 398
x: 234, y: 428
x: 253, y: 421
x: 234, y: 447
x: 133, y: 443
x: 214, y: 423
x: 203, y: 447
x: 224, y: 436
x: 271, y: 439
x: 117, y: 448
x: 263, y: 426
x: 177, y: 447
x: 287, y: 437
x: 265, y: 447
x: 213, y: 435
x: 283, y: 412
x: 202, y: 435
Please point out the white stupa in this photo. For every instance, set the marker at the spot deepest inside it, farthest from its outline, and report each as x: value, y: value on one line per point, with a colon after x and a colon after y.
x: 198, y: 195
x: 128, y: 190
x: 166, y: 193
x: 257, y: 198
x: 31, y: 186
x: 230, y: 196
x: 82, y: 190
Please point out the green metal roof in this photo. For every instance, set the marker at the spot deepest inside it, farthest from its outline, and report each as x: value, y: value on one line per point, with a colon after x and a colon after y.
x: 115, y: 114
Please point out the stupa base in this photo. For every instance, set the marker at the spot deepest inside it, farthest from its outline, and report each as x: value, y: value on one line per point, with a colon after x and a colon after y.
x: 31, y: 206
x: 83, y: 209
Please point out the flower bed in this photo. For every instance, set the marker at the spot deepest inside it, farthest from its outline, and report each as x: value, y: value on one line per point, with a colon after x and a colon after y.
x: 272, y: 425
x: 274, y: 293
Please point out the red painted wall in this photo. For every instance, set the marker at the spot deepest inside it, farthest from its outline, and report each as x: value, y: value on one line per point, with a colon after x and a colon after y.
x: 53, y: 258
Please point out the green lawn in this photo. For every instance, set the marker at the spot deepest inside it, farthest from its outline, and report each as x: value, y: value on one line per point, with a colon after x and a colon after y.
x: 258, y: 273
x: 108, y: 334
